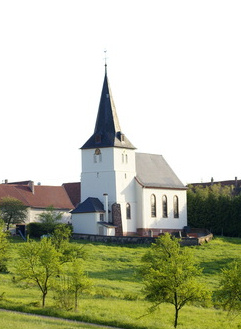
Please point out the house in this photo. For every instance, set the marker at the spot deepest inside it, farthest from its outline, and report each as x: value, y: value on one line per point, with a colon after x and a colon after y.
x: 39, y: 197
x: 124, y: 192
x: 234, y: 184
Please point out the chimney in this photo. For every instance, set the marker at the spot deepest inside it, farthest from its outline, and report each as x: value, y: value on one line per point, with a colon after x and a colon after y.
x: 106, y: 207
x: 212, y: 180
x: 6, y: 181
x: 236, y: 182
x: 31, y: 186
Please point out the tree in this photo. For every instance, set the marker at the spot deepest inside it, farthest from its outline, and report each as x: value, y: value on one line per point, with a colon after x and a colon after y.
x: 69, y: 287
x: 13, y: 211
x: 61, y: 235
x: 170, y: 275
x: 60, y: 240
x: 4, y: 244
x: 39, y: 263
x: 79, y: 281
x: 50, y: 218
x: 229, y: 293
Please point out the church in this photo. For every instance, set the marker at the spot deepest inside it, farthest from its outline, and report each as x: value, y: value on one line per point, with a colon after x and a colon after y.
x: 123, y: 192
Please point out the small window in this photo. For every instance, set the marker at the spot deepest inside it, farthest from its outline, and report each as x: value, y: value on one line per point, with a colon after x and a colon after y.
x: 175, y: 207
x: 164, y: 206
x: 101, y: 217
x: 128, y: 211
x: 97, y: 156
x: 153, y: 205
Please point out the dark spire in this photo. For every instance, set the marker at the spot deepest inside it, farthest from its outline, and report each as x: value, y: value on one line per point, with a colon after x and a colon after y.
x: 107, y: 131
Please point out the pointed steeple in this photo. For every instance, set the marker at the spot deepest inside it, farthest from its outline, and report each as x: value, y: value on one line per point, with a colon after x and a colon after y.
x: 107, y: 131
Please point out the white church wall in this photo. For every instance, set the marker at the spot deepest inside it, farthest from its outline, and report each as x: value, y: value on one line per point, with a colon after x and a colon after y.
x: 97, y: 175
x: 159, y: 222
x: 85, y: 223
x: 129, y: 225
x: 140, y: 209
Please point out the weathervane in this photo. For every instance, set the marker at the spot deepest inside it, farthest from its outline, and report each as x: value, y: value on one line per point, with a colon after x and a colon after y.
x: 105, y: 61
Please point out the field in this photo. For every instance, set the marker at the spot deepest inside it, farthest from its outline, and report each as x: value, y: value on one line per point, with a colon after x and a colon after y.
x: 116, y: 298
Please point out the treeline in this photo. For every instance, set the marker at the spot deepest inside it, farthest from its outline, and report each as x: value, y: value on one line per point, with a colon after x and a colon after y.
x: 215, y: 208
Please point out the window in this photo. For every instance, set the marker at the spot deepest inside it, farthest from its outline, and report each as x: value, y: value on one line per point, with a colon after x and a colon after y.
x: 153, y: 205
x: 124, y: 157
x: 164, y: 206
x: 175, y: 207
x: 128, y: 211
x: 97, y: 156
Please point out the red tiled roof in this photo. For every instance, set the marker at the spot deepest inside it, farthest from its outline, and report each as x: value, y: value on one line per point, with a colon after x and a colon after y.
x: 73, y: 191
x: 41, y: 197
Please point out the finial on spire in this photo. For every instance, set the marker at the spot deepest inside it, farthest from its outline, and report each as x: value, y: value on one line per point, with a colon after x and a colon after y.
x: 105, y: 61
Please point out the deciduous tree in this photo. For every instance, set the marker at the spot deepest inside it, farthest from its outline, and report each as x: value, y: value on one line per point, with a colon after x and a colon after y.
x: 39, y: 263
x: 50, y: 218
x: 171, y: 275
x: 4, y: 245
x: 13, y: 211
x: 229, y: 293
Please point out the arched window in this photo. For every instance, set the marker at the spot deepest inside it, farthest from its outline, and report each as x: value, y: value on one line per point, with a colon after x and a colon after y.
x: 164, y: 206
x: 175, y: 207
x: 153, y: 205
x: 128, y: 211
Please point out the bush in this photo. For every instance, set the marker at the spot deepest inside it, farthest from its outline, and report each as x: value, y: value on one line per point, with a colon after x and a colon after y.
x: 36, y: 230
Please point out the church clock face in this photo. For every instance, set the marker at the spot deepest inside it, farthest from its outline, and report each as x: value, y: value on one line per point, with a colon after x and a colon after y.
x: 97, y: 152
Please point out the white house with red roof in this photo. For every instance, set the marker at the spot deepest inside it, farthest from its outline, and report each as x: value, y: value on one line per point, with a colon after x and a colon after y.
x: 39, y: 197
x: 124, y: 192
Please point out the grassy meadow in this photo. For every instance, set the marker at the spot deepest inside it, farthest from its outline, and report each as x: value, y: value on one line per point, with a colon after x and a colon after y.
x: 116, y: 298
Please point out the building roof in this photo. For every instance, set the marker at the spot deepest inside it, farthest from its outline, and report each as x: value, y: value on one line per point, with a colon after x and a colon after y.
x: 73, y: 191
x: 37, y: 196
x: 89, y: 205
x: 152, y: 170
x: 107, y: 131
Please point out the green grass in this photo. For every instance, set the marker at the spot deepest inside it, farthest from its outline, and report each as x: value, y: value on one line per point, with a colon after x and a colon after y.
x: 117, y: 298
x: 13, y: 320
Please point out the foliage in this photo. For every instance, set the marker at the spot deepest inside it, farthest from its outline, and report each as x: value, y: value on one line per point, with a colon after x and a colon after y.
x: 70, y: 287
x: 170, y: 275
x: 215, y: 208
x: 50, y: 218
x: 39, y: 262
x: 229, y: 293
x: 4, y: 248
x: 61, y: 235
x: 13, y: 211
x: 36, y: 230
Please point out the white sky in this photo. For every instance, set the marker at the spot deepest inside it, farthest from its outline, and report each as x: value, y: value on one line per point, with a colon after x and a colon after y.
x: 174, y: 69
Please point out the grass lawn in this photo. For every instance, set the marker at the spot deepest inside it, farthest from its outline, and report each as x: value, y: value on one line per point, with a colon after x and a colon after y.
x: 117, y: 299
x: 13, y: 320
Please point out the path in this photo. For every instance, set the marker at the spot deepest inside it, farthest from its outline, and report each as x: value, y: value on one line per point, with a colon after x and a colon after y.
x: 62, y: 319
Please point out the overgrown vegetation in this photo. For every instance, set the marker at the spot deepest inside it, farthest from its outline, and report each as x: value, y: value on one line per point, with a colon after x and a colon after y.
x: 215, y: 208
x: 116, y: 296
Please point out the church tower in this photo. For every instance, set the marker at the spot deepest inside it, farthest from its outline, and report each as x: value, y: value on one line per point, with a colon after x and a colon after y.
x: 108, y: 163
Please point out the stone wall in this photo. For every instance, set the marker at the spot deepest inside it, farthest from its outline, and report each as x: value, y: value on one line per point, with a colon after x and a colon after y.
x: 192, y: 241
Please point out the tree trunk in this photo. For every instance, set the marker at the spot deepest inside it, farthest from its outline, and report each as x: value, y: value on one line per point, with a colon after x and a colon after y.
x: 76, y: 300
x: 176, y: 316
x: 43, y: 298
